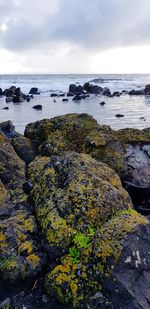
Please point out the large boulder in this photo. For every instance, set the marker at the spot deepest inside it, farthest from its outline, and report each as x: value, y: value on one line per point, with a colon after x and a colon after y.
x: 21, y: 256
x: 71, y: 193
x: 7, y: 128
x: 79, y: 133
x: 10, y: 92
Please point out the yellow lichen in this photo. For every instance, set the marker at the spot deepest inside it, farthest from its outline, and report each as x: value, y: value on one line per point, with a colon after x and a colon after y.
x: 33, y: 259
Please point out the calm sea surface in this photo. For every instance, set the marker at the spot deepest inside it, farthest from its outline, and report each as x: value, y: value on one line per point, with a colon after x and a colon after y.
x: 132, y: 107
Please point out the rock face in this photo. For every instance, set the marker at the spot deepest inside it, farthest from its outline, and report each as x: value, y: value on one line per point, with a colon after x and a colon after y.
x: 20, y: 252
x: 75, y: 89
x: 66, y: 218
x: 81, y: 190
x: 24, y: 148
x: 147, y: 90
x: 79, y: 133
x: 106, y: 264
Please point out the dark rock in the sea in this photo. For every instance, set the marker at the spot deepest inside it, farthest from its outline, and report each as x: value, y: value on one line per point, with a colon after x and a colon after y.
x: 10, y: 92
x: 70, y: 94
x: 136, y: 92
x: 6, y: 108
x: 19, y: 93
x: 24, y: 148
x: 8, y: 128
x: 75, y: 89
x: 1, y: 92
x: 90, y: 88
x: 119, y: 115
x: 125, y: 92
x: 53, y: 95
x: 17, y: 99
x: 76, y: 98
x: 9, y: 99
x: 38, y: 107
x: 142, y: 118
x: 28, y: 99
x: 65, y: 100
x: 34, y: 91
x: 116, y: 94
x: 61, y: 94
x: 147, y: 90
x: 106, y: 92
x: 102, y: 103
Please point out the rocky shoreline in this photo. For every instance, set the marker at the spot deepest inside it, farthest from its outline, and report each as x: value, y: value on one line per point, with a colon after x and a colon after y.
x: 70, y: 235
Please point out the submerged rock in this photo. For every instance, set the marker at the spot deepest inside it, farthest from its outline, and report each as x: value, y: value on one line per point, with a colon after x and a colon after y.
x: 37, y: 107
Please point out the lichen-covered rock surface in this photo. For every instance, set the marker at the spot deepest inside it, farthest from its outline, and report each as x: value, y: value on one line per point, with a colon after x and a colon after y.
x: 65, y: 218
x: 71, y: 193
x: 79, y: 133
x: 20, y: 253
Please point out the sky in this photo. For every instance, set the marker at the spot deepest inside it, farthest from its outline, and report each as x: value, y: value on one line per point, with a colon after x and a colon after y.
x: 74, y: 36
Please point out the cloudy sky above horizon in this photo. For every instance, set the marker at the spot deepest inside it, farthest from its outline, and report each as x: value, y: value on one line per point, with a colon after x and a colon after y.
x: 74, y: 36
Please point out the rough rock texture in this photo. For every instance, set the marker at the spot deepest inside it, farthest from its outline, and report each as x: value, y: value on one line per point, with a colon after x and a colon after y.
x: 79, y: 133
x: 20, y: 251
x: 70, y: 190
x: 110, y: 250
x: 24, y: 148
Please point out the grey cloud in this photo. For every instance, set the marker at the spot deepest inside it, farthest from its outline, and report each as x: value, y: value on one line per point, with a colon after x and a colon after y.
x: 90, y: 24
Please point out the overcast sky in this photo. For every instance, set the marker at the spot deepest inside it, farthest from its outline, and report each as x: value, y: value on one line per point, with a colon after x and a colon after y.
x: 75, y: 36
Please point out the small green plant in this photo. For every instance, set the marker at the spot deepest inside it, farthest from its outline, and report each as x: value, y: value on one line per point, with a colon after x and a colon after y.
x: 91, y: 230
x: 75, y: 254
x: 81, y: 240
x: 6, y: 306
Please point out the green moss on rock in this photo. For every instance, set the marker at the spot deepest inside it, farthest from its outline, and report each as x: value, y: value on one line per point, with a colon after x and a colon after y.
x: 75, y: 283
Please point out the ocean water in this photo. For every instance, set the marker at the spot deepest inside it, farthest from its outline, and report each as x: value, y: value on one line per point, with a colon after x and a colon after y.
x: 133, y: 107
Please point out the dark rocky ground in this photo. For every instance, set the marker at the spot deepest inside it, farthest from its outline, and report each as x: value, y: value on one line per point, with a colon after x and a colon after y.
x: 69, y: 234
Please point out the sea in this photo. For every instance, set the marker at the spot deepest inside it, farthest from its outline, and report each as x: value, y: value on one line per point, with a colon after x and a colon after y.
x: 136, y: 109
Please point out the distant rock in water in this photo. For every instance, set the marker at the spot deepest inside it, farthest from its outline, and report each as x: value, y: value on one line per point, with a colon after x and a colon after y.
x: 94, y: 89
x: 119, y: 115
x: 1, y: 92
x: 116, y: 94
x: 76, y: 98
x: 10, y: 92
x: 9, y: 99
x: 6, y: 108
x: 38, y: 107
x: 65, y: 100
x: 136, y: 92
x: 34, y: 91
x: 102, y: 103
x: 53, y: 95
x: 75, y: 89
x: 106, y: 92
x: 147, y: 90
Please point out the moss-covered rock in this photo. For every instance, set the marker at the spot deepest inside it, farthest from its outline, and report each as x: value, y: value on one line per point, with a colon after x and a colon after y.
x: 24, y: 148
x: 76, y: 282
x: 71, y: 193
x: 20, y: 251
x: 77, y: 132
x: 133, y: 136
